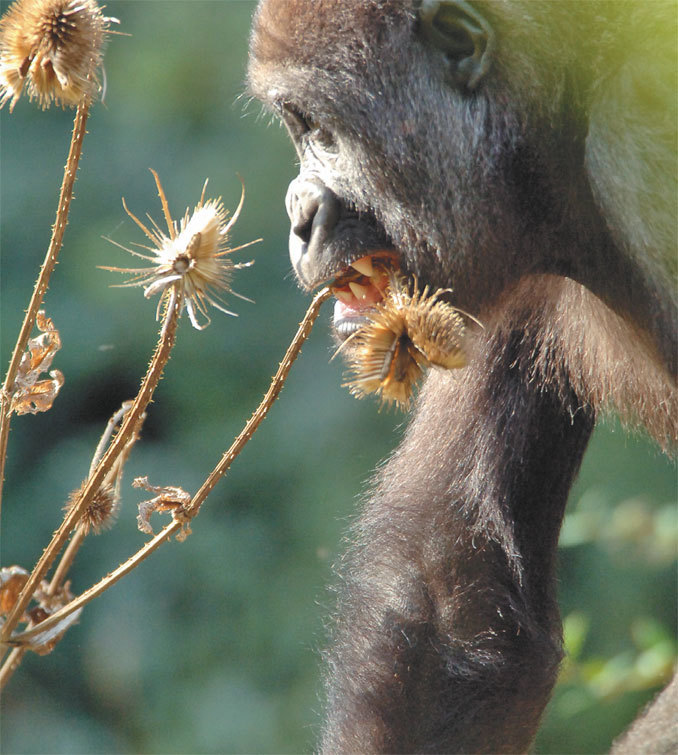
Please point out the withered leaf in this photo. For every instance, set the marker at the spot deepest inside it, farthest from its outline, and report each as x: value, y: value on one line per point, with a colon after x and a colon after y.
x: 169, y: 498
x: 12, y: 581
x: 40, y: 641
x: 43, y: 642
x: 32, y: 395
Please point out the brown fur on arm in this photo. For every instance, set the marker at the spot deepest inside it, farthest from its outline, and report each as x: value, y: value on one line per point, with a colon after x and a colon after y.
x: 656, y: 730
x: 545, y: 197
x: 448, y: 629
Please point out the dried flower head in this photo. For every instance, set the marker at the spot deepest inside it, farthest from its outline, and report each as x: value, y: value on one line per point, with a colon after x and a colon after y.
x: 406, y: 334
x: 53, y: 48
x: 102, y: 510
x: 191, y: 258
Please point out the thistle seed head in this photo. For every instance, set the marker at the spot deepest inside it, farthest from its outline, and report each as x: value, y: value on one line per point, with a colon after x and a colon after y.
x: 406, y: 333
x: 191, y: 257
x: 102, y: 510
x: 53, y: 49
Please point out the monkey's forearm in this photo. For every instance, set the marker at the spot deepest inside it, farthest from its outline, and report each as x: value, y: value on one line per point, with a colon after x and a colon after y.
x: 448, y: 635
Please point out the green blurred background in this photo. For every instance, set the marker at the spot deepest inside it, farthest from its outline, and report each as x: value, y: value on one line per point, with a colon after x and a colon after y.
x: 212, y: 645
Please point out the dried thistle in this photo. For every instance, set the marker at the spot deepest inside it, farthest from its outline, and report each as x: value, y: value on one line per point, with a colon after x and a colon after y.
x: 183, y: 507
x: 192, y: 257
x: 32, y: 395
x: 101, y: 510
x: 406, y: 333
x: 54, y: 49
x: 169, y: 498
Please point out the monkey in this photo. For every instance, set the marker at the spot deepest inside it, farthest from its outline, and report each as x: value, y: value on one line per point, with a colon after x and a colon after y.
x: 521, y: 153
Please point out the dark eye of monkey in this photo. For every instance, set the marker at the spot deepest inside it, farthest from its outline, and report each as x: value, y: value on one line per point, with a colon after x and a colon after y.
x: 297, y: 123
x: 302, y: 125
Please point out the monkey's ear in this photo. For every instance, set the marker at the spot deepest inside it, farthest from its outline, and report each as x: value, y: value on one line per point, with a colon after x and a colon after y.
x: 463, y: 34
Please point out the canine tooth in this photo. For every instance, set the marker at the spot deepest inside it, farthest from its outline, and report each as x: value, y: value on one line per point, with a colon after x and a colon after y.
x: 359, y: 291
x: 363, y: 266
x: 345, y: 296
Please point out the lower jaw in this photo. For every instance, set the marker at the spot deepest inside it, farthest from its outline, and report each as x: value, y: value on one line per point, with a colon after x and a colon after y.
x: 345, y: 325
x: 359, y: 289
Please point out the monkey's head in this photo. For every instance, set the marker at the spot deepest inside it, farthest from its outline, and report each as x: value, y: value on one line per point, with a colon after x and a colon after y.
x: 469, y: 145
x: 522, y: 153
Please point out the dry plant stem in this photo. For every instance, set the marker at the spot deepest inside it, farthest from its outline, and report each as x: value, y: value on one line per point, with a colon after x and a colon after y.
x: 118, y: 445
x: 10, y: 665
x: 70, y: 173
x: 217, y: 473
x: 113, y: 422
x: 102, y: 585
x: 80, y: 533
x: 66, y: 560
x: 262, y: 410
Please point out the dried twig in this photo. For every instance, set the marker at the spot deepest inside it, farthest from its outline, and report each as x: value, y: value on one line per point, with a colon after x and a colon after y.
x: 262, y: 410
x: 191, y: 509
x: 117, y: 446
x: 70, y: 172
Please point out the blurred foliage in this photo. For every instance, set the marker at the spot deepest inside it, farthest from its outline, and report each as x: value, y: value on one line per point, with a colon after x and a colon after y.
x: 212, y: 645
x: 617, y: 593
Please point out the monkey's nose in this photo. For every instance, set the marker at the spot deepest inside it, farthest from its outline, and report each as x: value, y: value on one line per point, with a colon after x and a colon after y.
x: 313, y: 210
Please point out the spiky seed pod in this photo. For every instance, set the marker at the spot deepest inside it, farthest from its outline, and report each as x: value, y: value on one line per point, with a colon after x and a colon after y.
x: 191, y: 257
x: 384, y: 360
x: 102, y: 510
x: 406, y: 334
x: 435, y: 328
x: 53, y: 49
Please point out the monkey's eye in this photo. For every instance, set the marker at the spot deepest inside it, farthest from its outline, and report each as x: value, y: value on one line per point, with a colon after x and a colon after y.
x: 296, y: 122
x: 300, y: 125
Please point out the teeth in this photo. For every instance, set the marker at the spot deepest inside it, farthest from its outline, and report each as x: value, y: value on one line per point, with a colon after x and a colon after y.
x: 363, y: 266
x: 359, y: 291
x: 345, y: 296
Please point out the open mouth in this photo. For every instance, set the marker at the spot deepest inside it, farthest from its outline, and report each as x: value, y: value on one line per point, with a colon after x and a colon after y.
x: 359, y: 287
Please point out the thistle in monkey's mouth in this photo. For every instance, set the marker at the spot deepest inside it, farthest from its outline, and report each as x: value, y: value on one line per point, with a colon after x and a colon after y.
x: 396, y: 338
x: 396, y: 330
x: 359, y: 288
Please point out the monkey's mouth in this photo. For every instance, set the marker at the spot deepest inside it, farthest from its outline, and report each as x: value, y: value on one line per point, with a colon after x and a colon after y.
x: 359, y: 287
x: 332, y: 242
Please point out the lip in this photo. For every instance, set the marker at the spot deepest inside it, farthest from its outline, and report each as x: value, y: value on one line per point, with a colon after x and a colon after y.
x: 346, y: 325
x: 359, y: 287
x: 325, y: 252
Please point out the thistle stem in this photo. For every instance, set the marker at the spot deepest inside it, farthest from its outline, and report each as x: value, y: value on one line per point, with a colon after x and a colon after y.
x: 65, y: 196
x: 102, y: 585
x: 267, y: 401
x: 118, y: 445
x: 13, y: 660
x: 113, y: 422
x: 10, y: 665
x: 80, y: 534
x: 66, y: 560
x: 217, y: 473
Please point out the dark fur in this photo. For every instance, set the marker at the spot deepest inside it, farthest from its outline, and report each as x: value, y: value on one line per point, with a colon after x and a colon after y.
x: 546, y: 198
